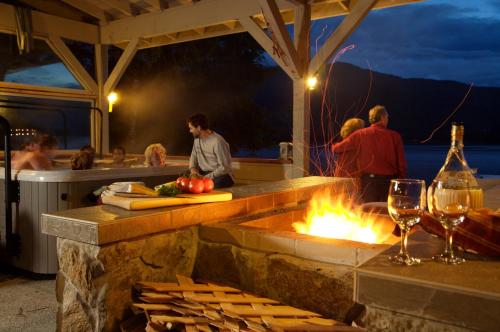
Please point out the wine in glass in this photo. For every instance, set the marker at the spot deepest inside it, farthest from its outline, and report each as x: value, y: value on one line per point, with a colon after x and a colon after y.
x: 449, y: 203
x: 406, y: 204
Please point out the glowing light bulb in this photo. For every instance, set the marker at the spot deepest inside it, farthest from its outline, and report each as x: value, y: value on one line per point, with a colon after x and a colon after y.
x: 112, y: 98
x: 311, y: 82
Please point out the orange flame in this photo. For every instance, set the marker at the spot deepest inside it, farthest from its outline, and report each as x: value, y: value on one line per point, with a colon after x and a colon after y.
x: 335, y: 218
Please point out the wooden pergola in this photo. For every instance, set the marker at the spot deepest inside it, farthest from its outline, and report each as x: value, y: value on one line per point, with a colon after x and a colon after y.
x: 137, y: 24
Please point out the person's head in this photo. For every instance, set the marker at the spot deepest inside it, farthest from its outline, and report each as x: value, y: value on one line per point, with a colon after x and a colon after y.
x: 81, y: 160
x: 351, y: 126
x: 196, y: 123
x: 155, y: 155
x: 44, y: 143
x: 378, y: 114
x: 89, y: 149
x: 118, y: 155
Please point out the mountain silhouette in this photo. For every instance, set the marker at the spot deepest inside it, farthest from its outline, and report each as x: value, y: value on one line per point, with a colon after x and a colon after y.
x: 416, y: 106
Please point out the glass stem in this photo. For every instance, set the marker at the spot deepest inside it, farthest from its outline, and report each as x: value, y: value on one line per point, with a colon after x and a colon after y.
x: 449, y: 242
x: 404, y: 242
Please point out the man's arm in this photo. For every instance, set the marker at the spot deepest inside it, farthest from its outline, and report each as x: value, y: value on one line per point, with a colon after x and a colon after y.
x: 193, y: 162
x: 223, y: 155
x: 347, y: 144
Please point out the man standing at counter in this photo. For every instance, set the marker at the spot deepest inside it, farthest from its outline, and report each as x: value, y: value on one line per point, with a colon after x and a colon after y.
x: 210, y: 156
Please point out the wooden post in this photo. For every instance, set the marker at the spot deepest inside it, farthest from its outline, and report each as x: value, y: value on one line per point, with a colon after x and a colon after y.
x: 301, y: 104
x: 101, y: 67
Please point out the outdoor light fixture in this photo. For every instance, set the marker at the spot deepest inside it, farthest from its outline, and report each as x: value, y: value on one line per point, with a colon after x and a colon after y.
x: 112, y: 98
x: 311, y: 82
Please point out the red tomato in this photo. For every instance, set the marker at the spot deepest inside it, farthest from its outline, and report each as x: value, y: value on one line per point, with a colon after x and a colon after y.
x: 178, y: 182
x: 196, y: 186
x: 208, y: 185
x: 184, y: 186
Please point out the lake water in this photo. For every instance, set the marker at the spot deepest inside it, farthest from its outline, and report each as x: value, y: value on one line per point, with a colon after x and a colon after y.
x: 424, y: 161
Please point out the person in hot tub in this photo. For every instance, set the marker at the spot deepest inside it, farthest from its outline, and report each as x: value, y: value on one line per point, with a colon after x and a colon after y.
x: 119, y: 157
x: 38, y: 155
x: 155, y: 155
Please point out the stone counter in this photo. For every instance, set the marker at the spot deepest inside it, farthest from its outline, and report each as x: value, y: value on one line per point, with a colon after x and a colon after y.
x: 431, y: 296
x: 106, y: 224
x: 104, y: 250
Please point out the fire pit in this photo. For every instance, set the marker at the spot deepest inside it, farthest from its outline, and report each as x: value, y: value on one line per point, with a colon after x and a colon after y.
x: 329, y: 229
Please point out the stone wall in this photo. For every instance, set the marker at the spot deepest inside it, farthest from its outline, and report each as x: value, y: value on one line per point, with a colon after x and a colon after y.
x: 94, y: 283
x: 323, y: 288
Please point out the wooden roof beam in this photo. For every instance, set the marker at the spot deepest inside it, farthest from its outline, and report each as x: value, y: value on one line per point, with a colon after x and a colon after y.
x: 177, y: 38
x: 345, y: 5
x: 55, y: 8
x: 350, y: 22
x: 180, y: 18
x: 156, y: 5
x: 282, y: 37
x: 45, y: 25
x: 74, y: 66
x: 121, y: 66
x: 231, y: 24
x: 266, y: 43
x: 88, y: 8
x: 123, y: 6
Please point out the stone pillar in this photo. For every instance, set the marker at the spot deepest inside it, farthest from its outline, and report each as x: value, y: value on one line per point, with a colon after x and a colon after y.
x: 94, y: 283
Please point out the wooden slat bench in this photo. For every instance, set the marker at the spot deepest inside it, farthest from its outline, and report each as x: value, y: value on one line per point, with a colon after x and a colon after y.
x: 190, y: 306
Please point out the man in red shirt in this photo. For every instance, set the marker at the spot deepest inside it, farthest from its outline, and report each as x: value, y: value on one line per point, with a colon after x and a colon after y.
x: 380, y: 155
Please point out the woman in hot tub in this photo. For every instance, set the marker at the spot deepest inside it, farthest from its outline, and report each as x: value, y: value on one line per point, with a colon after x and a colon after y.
x: 37, y: 155
x: 155, y: 155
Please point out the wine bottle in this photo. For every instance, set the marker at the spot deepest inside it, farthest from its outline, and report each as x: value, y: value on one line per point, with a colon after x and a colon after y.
x: 456, y: 166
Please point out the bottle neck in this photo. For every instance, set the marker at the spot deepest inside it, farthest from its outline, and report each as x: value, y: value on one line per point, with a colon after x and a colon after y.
x: 457, y: 137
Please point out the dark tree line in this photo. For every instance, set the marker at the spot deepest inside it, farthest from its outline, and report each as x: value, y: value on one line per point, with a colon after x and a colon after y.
x: 164, y: 85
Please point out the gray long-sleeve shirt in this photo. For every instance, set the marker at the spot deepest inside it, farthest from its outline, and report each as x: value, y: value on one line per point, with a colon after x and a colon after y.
x: 211, y: 154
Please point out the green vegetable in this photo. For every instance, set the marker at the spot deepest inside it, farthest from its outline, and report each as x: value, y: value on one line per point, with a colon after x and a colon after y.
x: 168, y: 190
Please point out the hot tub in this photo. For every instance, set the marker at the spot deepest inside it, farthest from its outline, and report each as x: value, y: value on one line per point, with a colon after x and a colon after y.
x: 62, y: 189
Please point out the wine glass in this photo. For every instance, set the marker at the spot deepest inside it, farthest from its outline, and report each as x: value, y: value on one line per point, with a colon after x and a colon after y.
x: 449, y: 203
x: 406, y: 204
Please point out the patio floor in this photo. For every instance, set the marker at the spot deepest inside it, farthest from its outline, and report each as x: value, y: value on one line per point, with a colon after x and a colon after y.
x: 27, y: 303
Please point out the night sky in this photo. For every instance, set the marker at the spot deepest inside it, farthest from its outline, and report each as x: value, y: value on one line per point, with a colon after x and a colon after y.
x: 437, y: 39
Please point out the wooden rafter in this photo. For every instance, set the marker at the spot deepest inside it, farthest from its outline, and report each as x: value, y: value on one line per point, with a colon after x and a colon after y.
x: 154, y: 5
x: 45, y: 25
x: 344, y: 5
x: 184, y: 36
x: 121, y: 66
x: 123, y: 6
x: 178, y: 18
x: 88, y: 8
x: 200, y: 31
x: 357, y: 12
x: 263, y: 39
x: 210, y: 12
x: 55, y: 8
x: 231, y: 24
x: 74, y: 66
x: 282, y: 37
x: 298, y: 2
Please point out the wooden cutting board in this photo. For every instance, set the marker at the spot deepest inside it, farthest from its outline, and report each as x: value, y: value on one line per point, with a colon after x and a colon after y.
x: 130, y: 203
